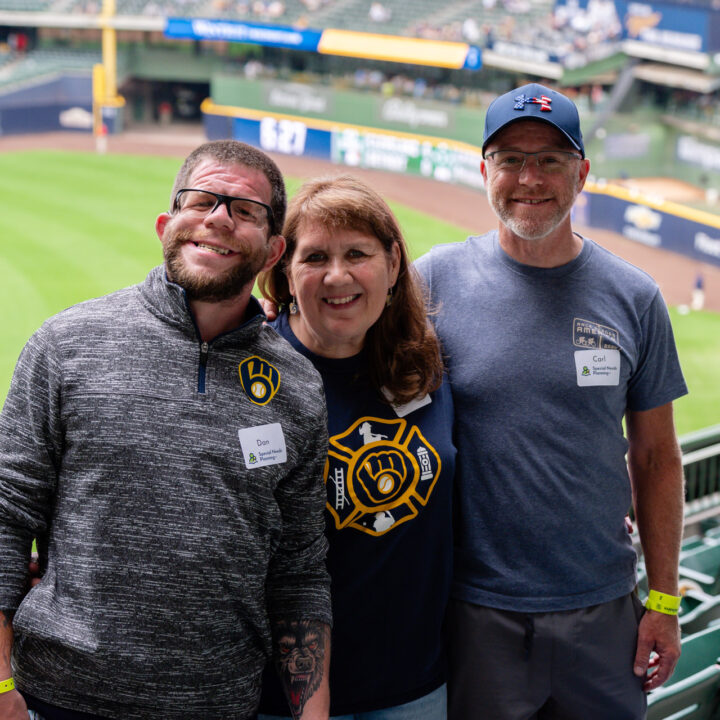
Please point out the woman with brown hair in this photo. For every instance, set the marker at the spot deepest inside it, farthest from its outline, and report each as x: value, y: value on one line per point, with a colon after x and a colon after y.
x: 352, y: 304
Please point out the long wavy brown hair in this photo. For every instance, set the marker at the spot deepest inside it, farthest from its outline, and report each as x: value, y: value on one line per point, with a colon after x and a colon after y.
x: 402, y: 348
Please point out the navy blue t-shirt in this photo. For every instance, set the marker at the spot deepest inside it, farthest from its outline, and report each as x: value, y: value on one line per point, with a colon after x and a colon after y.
x: 390, y: 483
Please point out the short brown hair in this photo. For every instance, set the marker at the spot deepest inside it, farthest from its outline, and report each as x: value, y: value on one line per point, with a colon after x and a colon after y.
x: 403, y: 350
x: 234, y: 152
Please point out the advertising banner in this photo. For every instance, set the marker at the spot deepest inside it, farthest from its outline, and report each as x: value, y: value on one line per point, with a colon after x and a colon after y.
x: 666, y: 25
x: 353, y: 146
x: 347, y: 43
x: 692, y: 233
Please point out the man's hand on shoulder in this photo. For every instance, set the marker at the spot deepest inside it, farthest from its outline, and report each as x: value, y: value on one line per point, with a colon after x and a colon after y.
x: 658, y: 633
x: 269, y: 308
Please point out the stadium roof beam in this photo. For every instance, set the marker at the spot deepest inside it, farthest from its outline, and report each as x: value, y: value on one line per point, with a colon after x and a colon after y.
x: 669, y: 76
x: 63, y: 20
x: 686, y: 58
x: 551, y: 70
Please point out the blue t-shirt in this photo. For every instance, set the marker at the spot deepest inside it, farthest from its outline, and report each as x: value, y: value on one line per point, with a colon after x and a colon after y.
x: 543, y: 363
x: 389, y: 481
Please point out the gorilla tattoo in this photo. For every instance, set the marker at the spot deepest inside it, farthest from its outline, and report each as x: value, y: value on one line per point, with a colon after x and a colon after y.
x: 300, y: 652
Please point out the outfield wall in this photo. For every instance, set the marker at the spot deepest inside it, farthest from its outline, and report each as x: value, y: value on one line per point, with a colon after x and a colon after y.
x: 345, y: 144
x: 650, y: 221
x: 49, y: 104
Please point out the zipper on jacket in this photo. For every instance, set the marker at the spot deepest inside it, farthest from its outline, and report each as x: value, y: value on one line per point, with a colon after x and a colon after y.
x: 202, y: 367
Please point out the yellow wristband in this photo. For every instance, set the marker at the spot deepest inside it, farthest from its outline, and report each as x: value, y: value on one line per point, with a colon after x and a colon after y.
x: 662, y: 603
x: 7, y: 686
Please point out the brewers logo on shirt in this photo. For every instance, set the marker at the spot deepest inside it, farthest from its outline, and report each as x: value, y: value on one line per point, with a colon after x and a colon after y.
x: 379, y: 473
x: 259, y: 379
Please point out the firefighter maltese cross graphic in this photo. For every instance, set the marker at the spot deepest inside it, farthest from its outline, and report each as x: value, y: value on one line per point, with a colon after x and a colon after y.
x: 379, y: 474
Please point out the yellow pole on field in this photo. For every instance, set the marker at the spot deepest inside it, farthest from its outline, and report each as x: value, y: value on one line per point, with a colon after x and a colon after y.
x: 105, y: 93
x: 109, y: 49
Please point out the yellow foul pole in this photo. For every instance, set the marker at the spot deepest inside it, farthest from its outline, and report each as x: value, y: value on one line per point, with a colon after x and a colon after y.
x: 105, y: 75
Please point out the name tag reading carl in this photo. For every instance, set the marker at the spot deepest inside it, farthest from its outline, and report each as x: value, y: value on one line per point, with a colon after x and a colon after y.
x: 597, y: 367
x: 263, y: 445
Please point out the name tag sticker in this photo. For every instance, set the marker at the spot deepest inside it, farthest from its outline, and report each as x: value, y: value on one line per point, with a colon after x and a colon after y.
x: 597, y: 367
x: 263, y: 445
x: 403, y: 410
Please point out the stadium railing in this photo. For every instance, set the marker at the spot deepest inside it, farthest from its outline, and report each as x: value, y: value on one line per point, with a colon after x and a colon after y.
x: 701, y: 463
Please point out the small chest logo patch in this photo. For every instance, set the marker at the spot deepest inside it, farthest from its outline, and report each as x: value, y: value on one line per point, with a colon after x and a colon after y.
x: 259, y: 379
x: 592, y: 335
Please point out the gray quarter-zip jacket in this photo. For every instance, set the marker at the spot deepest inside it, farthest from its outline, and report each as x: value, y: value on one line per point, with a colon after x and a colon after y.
x: 146, y: 462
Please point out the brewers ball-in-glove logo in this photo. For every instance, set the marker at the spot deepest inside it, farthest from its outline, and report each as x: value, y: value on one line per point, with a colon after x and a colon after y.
x: 379, y: 473
x: 259, y: 379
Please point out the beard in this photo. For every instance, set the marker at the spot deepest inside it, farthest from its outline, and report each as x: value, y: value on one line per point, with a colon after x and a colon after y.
x: 209, y: 286
x: 529, y: 227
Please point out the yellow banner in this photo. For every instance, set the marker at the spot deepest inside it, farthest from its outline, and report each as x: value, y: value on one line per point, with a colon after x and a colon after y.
x: 416, y: 51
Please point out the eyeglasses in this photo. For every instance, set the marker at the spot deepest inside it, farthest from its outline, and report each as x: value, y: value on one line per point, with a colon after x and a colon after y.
x: 548, y: 161
x: 206, y: 202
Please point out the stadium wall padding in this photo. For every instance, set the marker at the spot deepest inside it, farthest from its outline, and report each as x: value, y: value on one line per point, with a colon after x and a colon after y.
x: 59, y: 103
x: 371, y: 108
x: 634, y: 144
x: 659, y: 224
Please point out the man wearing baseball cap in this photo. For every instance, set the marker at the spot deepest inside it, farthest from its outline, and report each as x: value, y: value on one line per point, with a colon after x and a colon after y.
x: 552, y: 341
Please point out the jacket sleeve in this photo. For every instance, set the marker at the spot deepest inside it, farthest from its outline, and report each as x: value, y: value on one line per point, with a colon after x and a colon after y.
x: 30, y: 452
x: 298, y: 585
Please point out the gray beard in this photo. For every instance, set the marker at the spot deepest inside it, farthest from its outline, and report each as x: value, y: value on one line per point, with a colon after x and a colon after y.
x: 209, y: 288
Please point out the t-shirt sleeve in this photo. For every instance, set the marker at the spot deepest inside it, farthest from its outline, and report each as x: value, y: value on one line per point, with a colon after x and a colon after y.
x: 658, y: 378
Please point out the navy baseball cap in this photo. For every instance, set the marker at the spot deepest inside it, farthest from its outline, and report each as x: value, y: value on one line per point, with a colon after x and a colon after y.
x: 534, y: 102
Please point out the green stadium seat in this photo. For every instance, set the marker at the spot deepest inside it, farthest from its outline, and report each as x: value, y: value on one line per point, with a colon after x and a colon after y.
x: 690, y: 543
x: 702, y: 565
x: 693, y: 690
x: 705, y: 613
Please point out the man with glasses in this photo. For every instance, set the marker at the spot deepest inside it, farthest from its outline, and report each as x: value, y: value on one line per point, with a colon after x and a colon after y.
x: 552, y: 341
x: 166, y: 449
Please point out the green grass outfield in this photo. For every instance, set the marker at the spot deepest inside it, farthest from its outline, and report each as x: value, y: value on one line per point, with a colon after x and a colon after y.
x: 78, y: 225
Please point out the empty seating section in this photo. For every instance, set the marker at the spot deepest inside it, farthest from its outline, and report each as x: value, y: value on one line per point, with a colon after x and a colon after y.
x: 702, y: 565
x: 45, y: 62
x: 26, y: 5
x: 693, y: 691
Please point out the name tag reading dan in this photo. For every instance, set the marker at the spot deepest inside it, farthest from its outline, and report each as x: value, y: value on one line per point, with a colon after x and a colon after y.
x: 263, y: 445
x: 597, y: 367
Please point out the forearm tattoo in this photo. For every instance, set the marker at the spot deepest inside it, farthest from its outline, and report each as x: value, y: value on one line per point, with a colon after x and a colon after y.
x: 299, y: 658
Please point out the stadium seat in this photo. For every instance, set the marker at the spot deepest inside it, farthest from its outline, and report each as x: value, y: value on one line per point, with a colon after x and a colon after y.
x: 703, y: 566
x: 691, y: 543
x: 705, y: 613
x: 693, y: 691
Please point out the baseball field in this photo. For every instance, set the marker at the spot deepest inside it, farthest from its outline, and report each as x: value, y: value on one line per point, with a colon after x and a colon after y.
x: 76, y: 225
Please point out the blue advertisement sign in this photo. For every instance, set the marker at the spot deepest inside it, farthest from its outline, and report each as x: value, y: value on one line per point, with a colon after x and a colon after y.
x: 473, y: 59
x: 650, y: 226
x: 235, y: 31
x: 287, y: 136
x: 666, y: 25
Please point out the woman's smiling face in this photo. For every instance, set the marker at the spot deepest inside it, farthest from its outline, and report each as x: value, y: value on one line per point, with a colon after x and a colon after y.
x: 340, y: 279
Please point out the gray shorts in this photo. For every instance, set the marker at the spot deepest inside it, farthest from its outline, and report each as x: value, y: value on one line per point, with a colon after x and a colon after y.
x: 570, y: 665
